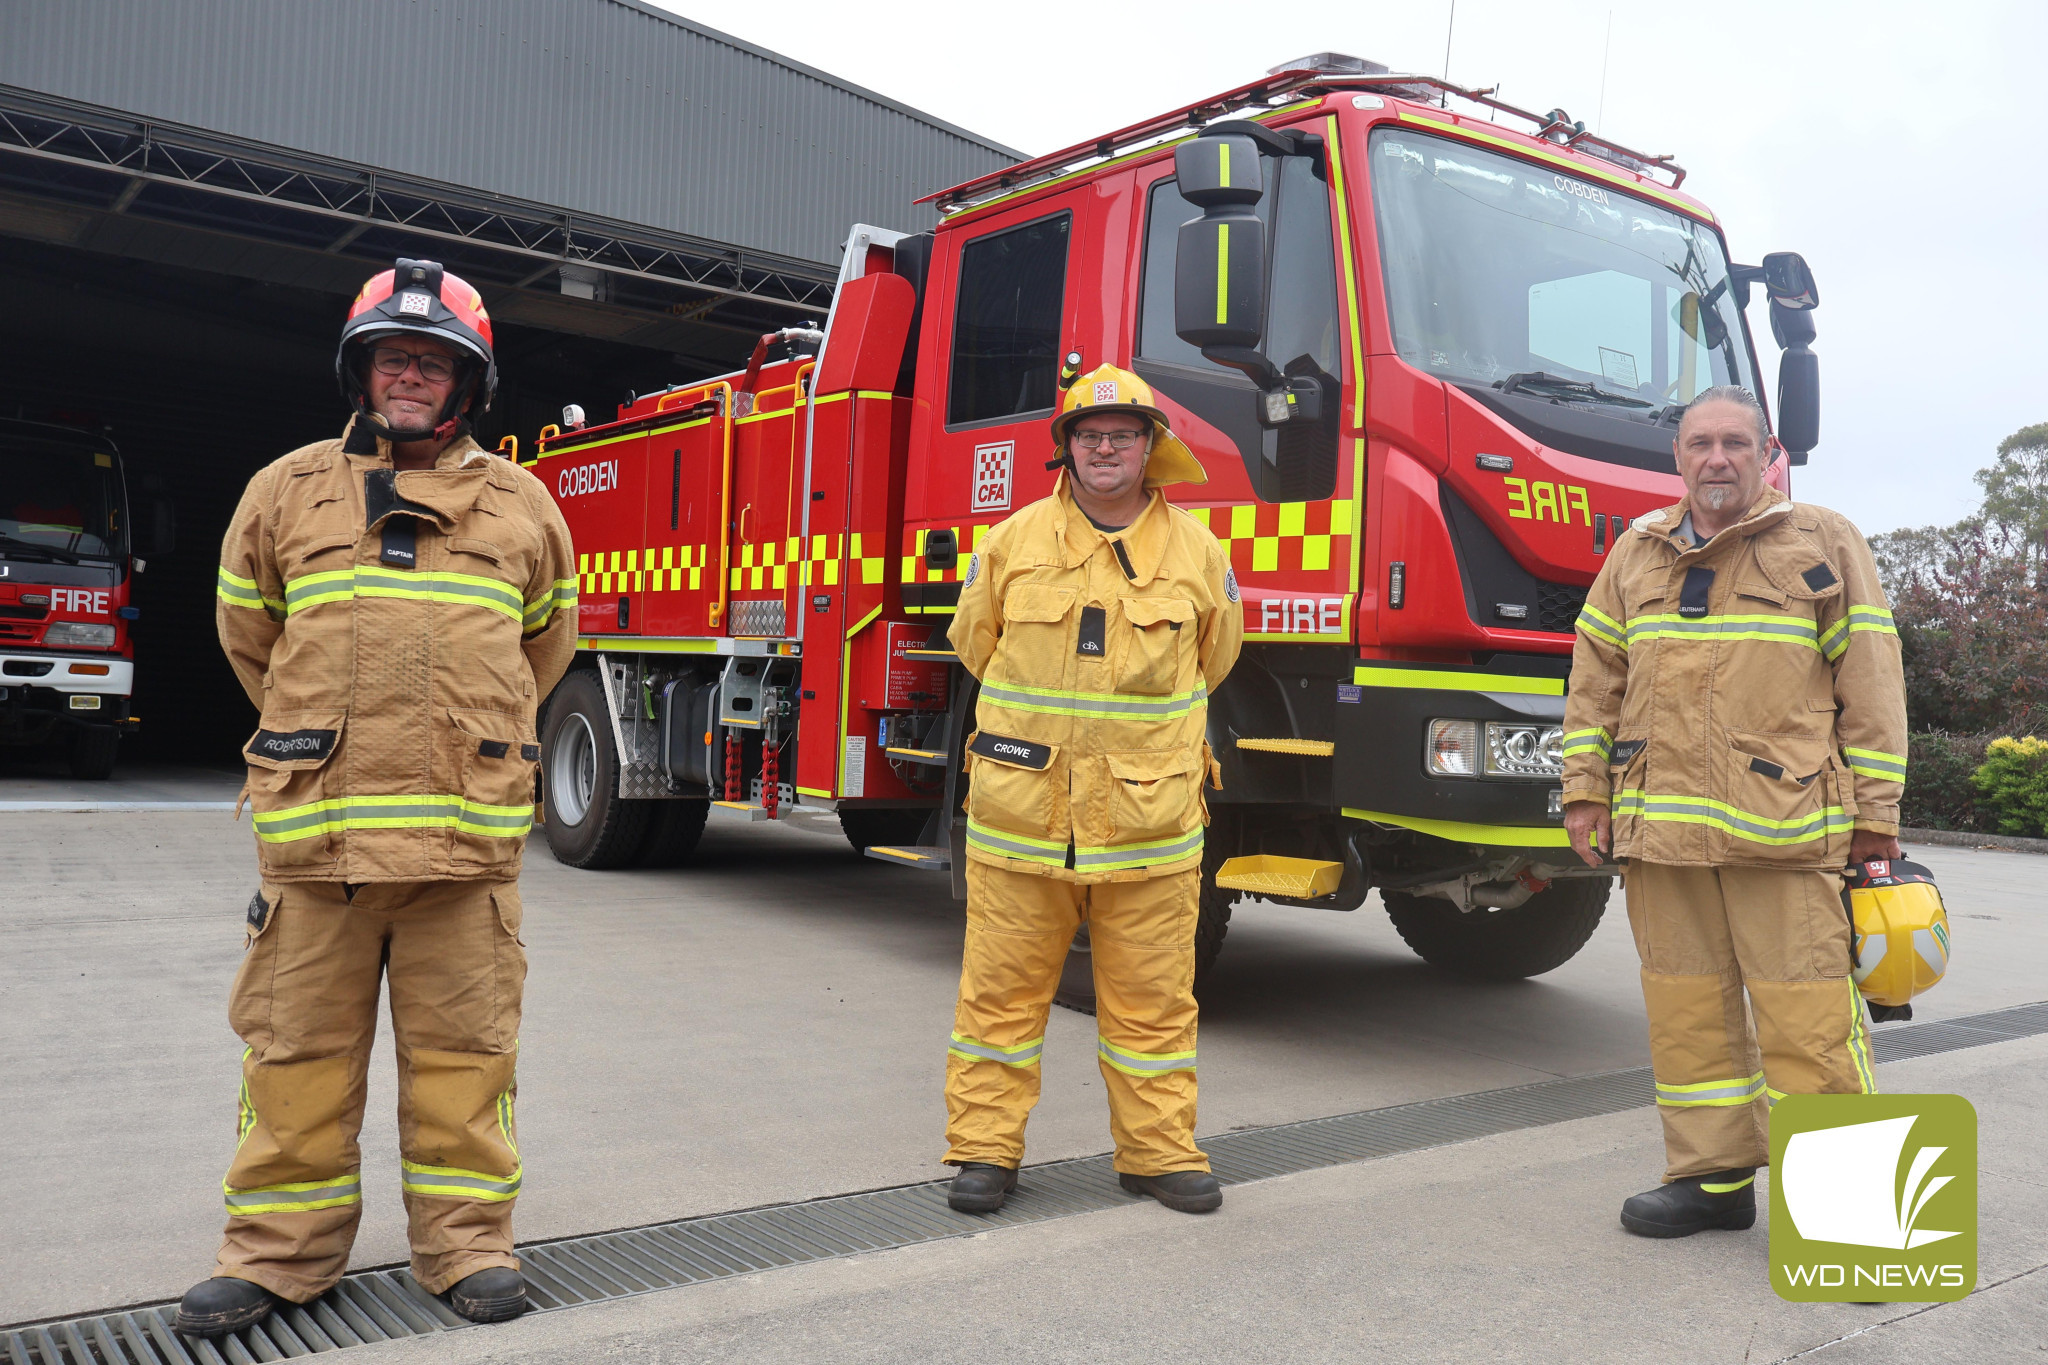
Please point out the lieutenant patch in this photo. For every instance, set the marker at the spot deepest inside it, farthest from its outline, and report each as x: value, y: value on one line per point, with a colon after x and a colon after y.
x: 1021, y: 752
x: 281, y: 746
x: 1230, y: 584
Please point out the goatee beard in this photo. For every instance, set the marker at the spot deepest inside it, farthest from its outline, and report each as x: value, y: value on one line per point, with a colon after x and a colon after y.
x: 1716, y: 497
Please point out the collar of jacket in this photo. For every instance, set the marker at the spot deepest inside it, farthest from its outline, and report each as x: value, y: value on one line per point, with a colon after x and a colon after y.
x: 448, y: 490
x: 1144, y: 539
x: 1768, y: 510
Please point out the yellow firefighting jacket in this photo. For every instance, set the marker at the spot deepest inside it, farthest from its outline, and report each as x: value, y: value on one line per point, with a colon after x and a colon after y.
x: 395, y: 630
x: 1741, y: 701
x: 1096, y: 653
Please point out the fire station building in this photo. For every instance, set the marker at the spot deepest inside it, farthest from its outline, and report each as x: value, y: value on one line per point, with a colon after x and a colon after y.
x: 192, y: 190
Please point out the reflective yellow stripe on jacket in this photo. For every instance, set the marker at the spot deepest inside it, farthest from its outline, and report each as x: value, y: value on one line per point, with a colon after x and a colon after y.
x: 339, y: 585
x: 392, y: 812
x: 542, y: 609
x: 1700, y: 810
x: 237, y: 591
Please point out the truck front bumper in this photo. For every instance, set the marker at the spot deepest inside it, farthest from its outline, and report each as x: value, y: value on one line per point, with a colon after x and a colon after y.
x: 1382, y: 731
x: 37, y: 689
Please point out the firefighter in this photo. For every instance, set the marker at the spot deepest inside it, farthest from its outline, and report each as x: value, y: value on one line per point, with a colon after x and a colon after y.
x: 1735, y: 734
x: 394, y: 602
x: 1098, y: 621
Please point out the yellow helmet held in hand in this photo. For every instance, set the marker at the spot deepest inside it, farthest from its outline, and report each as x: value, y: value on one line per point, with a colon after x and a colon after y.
x: 1109, y: 389
x: 1899, y: 933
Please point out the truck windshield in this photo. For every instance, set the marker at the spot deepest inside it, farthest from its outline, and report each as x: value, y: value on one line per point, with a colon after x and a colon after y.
x: 58, y: 501
x: 1503, y: 273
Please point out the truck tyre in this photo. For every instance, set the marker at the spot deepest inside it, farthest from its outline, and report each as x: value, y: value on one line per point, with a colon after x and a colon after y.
x: 866, y: 827
x: 1537, y: 936
x: 93, y: 748
x: 673, y: 831
x: 1077, y: 976
x: 588, y: 825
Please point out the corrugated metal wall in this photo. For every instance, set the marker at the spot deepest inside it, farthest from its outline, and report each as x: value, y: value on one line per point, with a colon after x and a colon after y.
x: 605, y: 106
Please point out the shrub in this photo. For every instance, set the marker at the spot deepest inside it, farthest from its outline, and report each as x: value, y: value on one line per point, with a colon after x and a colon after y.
x: 1941, y: 791
x: 2014, y: 784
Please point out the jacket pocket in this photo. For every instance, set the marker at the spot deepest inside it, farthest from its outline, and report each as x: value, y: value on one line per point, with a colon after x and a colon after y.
x: 1628, y: 764
x: 1036, y: 639
x: 1153, y: 794
x: 1784, y: 795
x: 1159, y: 646
x: 496, y: 754
x: 297, y: 825
x: 1016, y: 785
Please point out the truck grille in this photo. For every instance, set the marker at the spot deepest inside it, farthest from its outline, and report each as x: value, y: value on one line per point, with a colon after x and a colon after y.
x: 1557, y: 606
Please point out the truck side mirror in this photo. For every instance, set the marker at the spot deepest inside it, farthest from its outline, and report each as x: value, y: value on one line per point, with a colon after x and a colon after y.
x: 1219, y: 269
x: 1798, y: 401
x: 1788, y: 282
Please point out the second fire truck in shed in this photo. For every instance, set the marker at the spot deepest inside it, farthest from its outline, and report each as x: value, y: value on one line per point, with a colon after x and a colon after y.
x: 1433, y: 374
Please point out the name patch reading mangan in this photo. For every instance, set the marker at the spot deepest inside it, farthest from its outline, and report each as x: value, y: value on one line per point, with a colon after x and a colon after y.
x: 282, y: 746
x: 1021, y: 752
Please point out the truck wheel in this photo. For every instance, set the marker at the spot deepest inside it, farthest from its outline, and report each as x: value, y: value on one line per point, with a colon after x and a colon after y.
x: 1077, y: 975
x: 866, y: 827
x: 588, y: 825
x: 1537, y: 936
x: 673, y: 831
x: 93, y: 748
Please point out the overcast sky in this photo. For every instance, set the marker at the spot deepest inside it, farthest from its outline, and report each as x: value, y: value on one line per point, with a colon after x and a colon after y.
x: 1899, y: 147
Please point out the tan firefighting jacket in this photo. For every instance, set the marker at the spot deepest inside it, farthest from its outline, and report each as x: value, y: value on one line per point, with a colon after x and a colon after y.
x: 1742, y: 701
x: 396, y: 632
x: 1096, y: 653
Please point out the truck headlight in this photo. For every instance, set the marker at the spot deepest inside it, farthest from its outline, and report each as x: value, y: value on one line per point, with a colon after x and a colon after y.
x: 1453, y: 748
x: 80, y: 633
x: 1516, y: 750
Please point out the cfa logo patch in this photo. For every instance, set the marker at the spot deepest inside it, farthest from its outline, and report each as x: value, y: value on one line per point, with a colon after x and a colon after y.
x: 415, y: 304
x: 1105, y: 390
x: 1873, y: 1198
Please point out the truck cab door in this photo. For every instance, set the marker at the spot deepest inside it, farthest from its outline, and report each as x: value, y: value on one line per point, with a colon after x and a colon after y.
x: 1004, y: 305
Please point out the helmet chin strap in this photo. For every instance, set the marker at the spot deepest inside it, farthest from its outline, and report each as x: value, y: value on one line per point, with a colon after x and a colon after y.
x: 453, y: 422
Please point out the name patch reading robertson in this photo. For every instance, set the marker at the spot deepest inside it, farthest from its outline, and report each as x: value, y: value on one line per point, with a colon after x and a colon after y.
x: 1021, y: 752
x: 283, y: 746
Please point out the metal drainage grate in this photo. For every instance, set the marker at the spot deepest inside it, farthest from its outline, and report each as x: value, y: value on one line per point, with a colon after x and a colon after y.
x: 382, y: 1305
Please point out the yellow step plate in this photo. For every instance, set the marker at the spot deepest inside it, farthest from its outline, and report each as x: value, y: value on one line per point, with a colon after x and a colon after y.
x: 1268, y: 874
x: 1314, y: 748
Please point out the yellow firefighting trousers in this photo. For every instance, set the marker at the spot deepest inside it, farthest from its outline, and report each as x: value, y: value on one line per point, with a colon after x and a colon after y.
x: 1705, y: 935
x: 305, y: 1002
x: 1142, y: 939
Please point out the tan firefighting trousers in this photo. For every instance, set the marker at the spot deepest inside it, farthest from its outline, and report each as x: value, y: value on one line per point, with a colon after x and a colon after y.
x: 1142, y: 939
x: 305, y: 1002
x: 1705, y: 935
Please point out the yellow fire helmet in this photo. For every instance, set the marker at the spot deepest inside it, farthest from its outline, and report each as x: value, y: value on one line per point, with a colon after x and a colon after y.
x: 1109, y: 389
x: 1900, y: 943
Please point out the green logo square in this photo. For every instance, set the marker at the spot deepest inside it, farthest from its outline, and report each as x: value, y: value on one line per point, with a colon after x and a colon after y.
x: 1873, y: 1198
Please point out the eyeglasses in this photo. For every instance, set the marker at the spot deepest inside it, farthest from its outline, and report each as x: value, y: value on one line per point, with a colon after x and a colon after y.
x: 1118, y: 440
x: 438, y: 369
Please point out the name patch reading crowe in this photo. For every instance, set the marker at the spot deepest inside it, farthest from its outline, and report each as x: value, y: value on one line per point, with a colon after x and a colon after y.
x: 1022, y: 752
x: 282, y: 746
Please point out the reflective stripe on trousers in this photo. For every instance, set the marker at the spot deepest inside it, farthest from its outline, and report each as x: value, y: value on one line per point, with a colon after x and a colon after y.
x: 974, y: 1050
x: 1143, y: 1063
x: 297, y: 1197
x: 1095, y: 705
x: 1717, y: 1093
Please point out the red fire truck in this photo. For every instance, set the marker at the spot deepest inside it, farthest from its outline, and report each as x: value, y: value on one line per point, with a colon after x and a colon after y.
x: 1432, y: 350
x: 67, y: 564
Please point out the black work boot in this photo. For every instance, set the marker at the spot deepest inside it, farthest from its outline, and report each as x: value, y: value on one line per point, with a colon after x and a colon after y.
x: 980, y: 1187
x: 1726, y: 1199
x: 494, y: 1294
x: 223, y: 1304
x: 1183, y: 1191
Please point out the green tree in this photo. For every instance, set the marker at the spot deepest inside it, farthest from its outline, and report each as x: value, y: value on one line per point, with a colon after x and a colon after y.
x: 2016, y: 491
